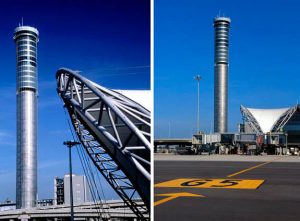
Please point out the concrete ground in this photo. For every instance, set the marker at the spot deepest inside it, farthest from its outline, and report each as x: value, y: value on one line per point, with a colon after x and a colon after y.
x: 217, y: 157
x: 277, y: 198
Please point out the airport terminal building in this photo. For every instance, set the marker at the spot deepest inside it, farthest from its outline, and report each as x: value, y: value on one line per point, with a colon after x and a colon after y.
x: 281, y: 125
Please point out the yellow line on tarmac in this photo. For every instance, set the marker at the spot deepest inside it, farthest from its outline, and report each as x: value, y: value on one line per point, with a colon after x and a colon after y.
x: 171, y: 196
x: 164, y: 200
x: 254, y: 167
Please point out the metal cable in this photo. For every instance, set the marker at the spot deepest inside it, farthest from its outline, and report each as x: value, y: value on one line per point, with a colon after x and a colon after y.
x: 89, y: 182
x: 70, y: 128
x: 100, y: 183
x: 86, y: 173
x: 88, y: 163
x: 83, y: 163
x: 86, y: 160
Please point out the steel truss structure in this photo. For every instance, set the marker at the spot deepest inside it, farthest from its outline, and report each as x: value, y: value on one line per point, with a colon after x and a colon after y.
x: 279, y: 124
x: 115, y: 132
x: 247, y: 116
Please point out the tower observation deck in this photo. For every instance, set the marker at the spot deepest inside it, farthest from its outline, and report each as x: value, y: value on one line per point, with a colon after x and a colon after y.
x: 26, y: 39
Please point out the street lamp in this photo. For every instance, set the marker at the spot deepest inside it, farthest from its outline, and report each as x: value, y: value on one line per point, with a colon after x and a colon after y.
x: 198, y: 78
x: 70, y: 144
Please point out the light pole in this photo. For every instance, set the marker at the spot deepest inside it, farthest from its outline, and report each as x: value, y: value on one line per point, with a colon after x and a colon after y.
x: 169, y: 129
x: 286, y: 141
x: 198, y: 78
x: 70, y: 144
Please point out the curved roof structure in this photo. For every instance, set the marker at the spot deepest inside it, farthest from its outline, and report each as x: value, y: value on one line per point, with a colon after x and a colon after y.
x: 267, y: 117
x: 267, y: 120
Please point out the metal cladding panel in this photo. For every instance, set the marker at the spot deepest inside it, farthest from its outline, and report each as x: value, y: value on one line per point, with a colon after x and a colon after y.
x: 247, y: 137
x: 26, y: 149
x: 26, y: 39
x: 221, y: 98
x: 221, y: 25
x: 213, y: 138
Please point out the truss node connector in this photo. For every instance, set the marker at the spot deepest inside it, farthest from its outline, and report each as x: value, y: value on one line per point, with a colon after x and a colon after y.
x: 115, y: 132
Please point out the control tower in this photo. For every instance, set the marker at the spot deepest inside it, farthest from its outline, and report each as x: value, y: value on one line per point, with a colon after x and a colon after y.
x: 221, y: 25
x: 26, y: 39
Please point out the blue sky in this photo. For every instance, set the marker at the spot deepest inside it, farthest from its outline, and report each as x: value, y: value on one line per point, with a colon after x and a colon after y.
x: 109, y: 41
x: 264, y: 60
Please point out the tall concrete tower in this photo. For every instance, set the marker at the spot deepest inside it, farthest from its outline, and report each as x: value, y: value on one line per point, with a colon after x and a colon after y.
x: 221, y: 25
x: 26, y: 39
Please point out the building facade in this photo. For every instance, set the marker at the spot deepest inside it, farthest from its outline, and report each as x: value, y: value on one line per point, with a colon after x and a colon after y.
x: 59, y: 197
x: 81, y: 190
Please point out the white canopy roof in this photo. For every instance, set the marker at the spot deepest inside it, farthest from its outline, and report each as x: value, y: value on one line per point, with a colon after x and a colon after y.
x: 142, y: 97
x: 266, y: 118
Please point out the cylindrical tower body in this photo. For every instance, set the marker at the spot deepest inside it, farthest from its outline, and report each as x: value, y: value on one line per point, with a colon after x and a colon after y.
x: 221, y: 25
x: 26, y: 39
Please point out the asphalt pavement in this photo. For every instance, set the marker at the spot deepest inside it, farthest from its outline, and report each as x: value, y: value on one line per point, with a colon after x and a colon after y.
x: 270, y: 190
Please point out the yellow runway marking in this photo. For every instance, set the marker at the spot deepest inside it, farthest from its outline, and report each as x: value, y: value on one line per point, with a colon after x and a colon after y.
x: 211, y: 183
x: 172, y: 196
x: 254, y: 167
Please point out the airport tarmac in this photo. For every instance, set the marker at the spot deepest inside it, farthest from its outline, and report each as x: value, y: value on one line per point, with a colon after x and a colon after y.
x: 218, y: 157
x: 255, y: 188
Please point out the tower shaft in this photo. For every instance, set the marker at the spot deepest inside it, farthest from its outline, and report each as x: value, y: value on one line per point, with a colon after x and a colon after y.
x: 26, y: 39
x: 221, y: 25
